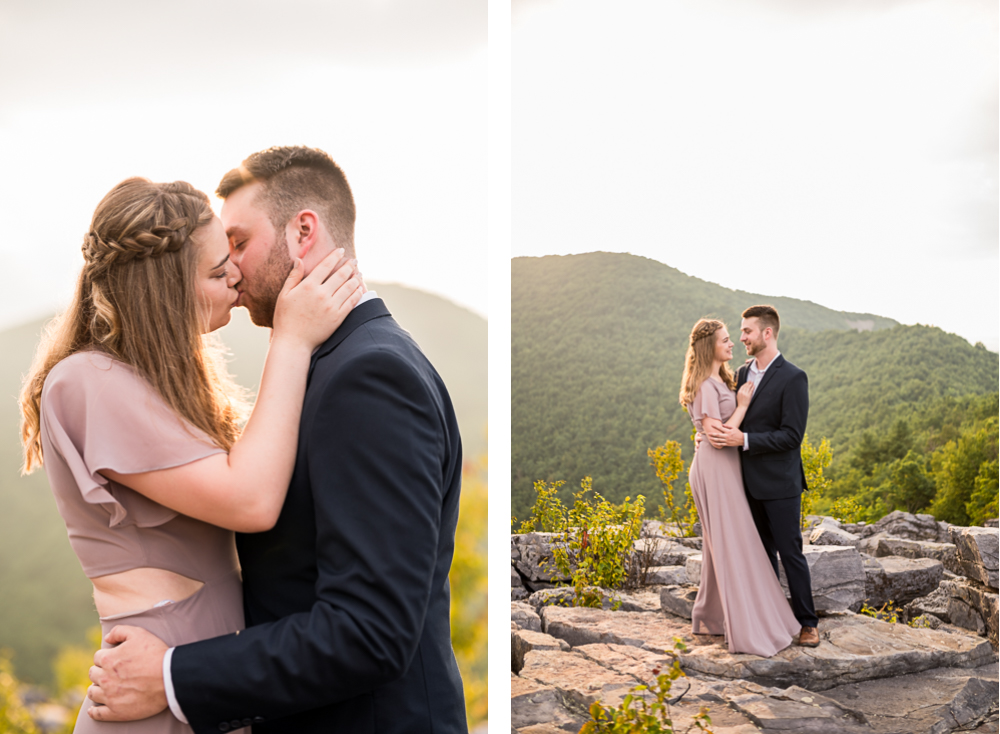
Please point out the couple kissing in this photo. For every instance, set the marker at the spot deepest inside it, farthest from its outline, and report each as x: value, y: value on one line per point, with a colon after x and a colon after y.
x: 289, y: 574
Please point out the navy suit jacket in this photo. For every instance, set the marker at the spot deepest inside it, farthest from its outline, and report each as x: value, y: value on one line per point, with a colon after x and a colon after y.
x: 776, y: 422
x: 346, y: 598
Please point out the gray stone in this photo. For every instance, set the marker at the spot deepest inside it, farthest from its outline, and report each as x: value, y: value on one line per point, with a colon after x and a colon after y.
x: 667, y: 575
x: 930, y: 702
x: 992, y: 523
x: 678, y: 600
x: 935, y: 603
x: 825, y: 534
x: 869, y: 543
x: 837, y: 575
x: 532, y: 555
x: 693, y: 543
x: 900, y: 580
x: 799, y: 711
x: 974, y: 606
x: 515, y: 579
x: 693, y: 569
x: 525, y: 616
x: 663, y: 552
x: 944, y: 552
x: 901, y: 524
x: 977, y: 553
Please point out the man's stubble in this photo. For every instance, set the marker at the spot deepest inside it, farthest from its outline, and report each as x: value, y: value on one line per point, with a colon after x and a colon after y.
x: 268, y: 282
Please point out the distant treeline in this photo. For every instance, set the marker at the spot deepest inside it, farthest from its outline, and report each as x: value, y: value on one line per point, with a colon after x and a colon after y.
x: 597, y: 351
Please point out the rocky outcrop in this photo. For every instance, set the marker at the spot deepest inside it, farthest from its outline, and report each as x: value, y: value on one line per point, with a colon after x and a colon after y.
x: 900, y: 580
x: 936, y: 676
x: 854, y: 647
x: 977, y: 553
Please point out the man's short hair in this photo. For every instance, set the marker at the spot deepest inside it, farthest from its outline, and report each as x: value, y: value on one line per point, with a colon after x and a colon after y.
x: 296, y: 178
x: 766, y: 315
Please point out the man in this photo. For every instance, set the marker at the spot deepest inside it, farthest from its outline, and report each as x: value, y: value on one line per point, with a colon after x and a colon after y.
x: 771, y: 439
x: 346, y: 598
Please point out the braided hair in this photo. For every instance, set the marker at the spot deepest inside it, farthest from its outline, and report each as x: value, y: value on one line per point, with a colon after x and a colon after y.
x: 136, y: 301
x: 699, y: 359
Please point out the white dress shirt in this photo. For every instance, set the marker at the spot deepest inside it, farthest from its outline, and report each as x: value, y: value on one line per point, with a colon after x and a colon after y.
x: 755, y: 375
x: 168, y: 681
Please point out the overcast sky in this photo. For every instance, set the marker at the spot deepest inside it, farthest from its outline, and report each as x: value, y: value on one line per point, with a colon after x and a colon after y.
x: 395, y: 91
x: 839, y: 151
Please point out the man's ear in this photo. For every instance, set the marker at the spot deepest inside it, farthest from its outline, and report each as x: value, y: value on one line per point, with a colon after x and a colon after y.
x: 302, y: 232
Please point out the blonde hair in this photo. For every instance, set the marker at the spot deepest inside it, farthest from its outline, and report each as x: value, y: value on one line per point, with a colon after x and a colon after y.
x: 699, y: 358
x: 135, y: 300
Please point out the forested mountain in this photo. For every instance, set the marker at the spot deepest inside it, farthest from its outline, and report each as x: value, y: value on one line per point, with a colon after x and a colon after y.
x: 45, y: 599
x: 597, y: 348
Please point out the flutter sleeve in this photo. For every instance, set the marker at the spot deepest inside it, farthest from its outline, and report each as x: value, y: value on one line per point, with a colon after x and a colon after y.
x: 706, y: 402
x: 98, y: 413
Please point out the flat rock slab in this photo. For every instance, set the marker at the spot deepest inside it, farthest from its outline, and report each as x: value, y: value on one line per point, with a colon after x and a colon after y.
x: 535, y: 705
x: 944, y: 552
x: 578, y: 679
x: 931, y: 702
x: 653, y: 631
x: 853, y: 648
x: 798, y: 711
x: 523, y: 641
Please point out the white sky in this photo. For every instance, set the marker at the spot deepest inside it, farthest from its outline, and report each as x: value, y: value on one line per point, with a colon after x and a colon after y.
x: 91, y: 93
x: 839, y: 151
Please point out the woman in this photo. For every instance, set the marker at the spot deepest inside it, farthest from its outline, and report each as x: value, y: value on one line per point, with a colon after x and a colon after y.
x: 739, y: 595
x: 137, y: 420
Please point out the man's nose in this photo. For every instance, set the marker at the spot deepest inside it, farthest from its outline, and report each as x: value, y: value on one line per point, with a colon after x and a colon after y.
x: 235, y: 275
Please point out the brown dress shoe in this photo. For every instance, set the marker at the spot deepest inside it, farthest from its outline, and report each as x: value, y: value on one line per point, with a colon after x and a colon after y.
x: 809, y: 637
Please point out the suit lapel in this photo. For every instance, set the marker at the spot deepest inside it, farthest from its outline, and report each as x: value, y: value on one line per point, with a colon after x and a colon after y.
x: 768, y: 374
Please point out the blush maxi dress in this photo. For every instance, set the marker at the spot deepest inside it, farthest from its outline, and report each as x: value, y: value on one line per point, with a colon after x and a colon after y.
x: 739, y: 595
x: 97, y: 413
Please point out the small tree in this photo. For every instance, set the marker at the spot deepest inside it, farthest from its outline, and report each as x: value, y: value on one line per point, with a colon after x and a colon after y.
x: 667, y: 463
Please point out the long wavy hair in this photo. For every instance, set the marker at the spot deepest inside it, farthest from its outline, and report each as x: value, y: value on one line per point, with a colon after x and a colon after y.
x: 699, y: 358
x: 136, y: 301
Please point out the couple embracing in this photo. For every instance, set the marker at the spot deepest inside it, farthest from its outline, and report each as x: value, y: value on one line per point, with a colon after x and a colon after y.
x: 328, y: 609
x: 747, y: 480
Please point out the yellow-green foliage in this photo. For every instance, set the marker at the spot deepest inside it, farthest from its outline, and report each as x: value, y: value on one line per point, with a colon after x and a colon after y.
x: 14, y: 716
x: 598, y: 542
x: 548, y: 512
x: 814, y: 460
x: 646, y: 709
x: 667, y: 463
x: 889, y: 612
x: 468, y: 593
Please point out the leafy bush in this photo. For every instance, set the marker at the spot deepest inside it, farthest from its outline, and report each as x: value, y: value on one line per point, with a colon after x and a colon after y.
x: 14, y: 715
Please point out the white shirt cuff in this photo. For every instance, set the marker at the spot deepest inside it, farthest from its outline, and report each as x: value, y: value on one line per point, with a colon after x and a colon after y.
x: 168, y: 686
x: 746, y: 441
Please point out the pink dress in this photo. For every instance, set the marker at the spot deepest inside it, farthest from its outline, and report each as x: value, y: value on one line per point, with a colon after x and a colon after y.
x: 739, y: 595
x: 97, y: 413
